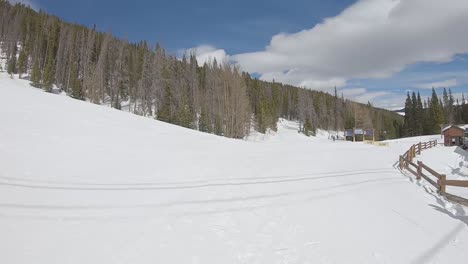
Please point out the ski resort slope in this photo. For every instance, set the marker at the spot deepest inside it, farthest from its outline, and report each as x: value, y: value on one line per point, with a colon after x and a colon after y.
x: 82, y: 183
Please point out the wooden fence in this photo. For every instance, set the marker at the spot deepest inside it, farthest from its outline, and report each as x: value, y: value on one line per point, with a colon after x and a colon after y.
x: 420, y: 170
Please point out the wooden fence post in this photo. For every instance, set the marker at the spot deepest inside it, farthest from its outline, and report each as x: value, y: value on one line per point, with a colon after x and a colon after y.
x: 442, y: 183
x: 419, y: 148
x: 419, y: 170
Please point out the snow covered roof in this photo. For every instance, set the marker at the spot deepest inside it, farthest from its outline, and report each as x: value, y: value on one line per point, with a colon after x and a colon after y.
x: 462, y: 126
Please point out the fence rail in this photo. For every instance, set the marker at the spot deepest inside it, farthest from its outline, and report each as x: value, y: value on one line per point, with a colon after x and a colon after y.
x: 421, y: 170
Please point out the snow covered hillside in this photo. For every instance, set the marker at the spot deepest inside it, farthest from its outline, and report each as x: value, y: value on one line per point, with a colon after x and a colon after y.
x: 82, y: 183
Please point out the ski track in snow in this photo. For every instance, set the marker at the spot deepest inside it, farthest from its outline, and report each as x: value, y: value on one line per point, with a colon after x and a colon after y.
x: 81, y: 183
x: 37, y: 184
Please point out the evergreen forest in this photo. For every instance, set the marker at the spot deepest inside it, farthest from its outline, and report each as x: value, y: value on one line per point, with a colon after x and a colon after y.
x: 428, y: 116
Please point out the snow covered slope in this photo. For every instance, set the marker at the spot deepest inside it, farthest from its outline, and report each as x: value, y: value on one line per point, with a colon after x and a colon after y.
x: 81, y: 183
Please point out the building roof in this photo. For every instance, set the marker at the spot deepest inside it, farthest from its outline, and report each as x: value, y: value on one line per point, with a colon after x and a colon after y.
x: 462, y: 127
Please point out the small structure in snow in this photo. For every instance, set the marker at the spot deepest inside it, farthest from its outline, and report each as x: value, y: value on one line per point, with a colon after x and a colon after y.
x: 454, y: 135
x: 359, y: 134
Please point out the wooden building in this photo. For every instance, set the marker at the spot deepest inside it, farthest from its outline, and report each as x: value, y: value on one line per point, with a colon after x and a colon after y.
x: 359, y: 134
x: 454, y: 135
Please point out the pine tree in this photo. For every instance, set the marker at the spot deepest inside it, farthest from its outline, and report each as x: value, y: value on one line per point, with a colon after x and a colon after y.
x: 218, y: 127
x: 22, y: 62
x: 184, y: 115
x: 11, y: 67
x: 443, y: 112
x: 49, y: 74
x: 450, y: 107
x: 48, y: 78
x: 426, y: 119
x: 464, y: 114
x: 419, y: 116
x: 408, y: 120
x: 308, y: 129
x: 458, y: 113
x: 164, y: 113
x: 414, y: 114
x: 204, y: 121
x: 36, y: 75
x: 445, y: 98
x: 436, y: 117
x: 75, y: 83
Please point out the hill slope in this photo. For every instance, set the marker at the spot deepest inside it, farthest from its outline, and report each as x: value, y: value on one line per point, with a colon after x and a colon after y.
x: 81, y: 183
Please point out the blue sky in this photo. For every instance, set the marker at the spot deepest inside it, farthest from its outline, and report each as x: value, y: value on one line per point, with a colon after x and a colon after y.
x: 237, y: 26
x: 372, y: 50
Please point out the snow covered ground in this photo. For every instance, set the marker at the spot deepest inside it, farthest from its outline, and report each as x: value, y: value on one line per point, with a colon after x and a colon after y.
x: 451, y: 161
x: 81, y: 183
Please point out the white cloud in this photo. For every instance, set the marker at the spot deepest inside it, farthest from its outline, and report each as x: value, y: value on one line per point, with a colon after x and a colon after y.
x: 371, y: 97
x: 382, y: 98
x: 370, y: 39
x: 442, y: 84
x: 350, y: 92
x: 26, y: 2
x: 207, y: 53
x: 302, y: 79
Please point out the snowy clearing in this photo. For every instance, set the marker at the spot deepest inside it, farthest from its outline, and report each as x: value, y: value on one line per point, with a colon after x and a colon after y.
x: 82, y: 183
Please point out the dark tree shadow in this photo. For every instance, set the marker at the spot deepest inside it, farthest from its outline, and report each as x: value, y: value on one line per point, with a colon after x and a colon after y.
x: 462, y: 153
x: 457, y: 171
x: 459, y: 215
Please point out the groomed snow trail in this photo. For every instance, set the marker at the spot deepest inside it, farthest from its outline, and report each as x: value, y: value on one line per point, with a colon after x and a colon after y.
x: 81, y: 183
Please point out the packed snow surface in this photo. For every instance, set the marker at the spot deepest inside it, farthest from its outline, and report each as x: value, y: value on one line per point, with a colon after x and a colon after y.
x: 82, y: 183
